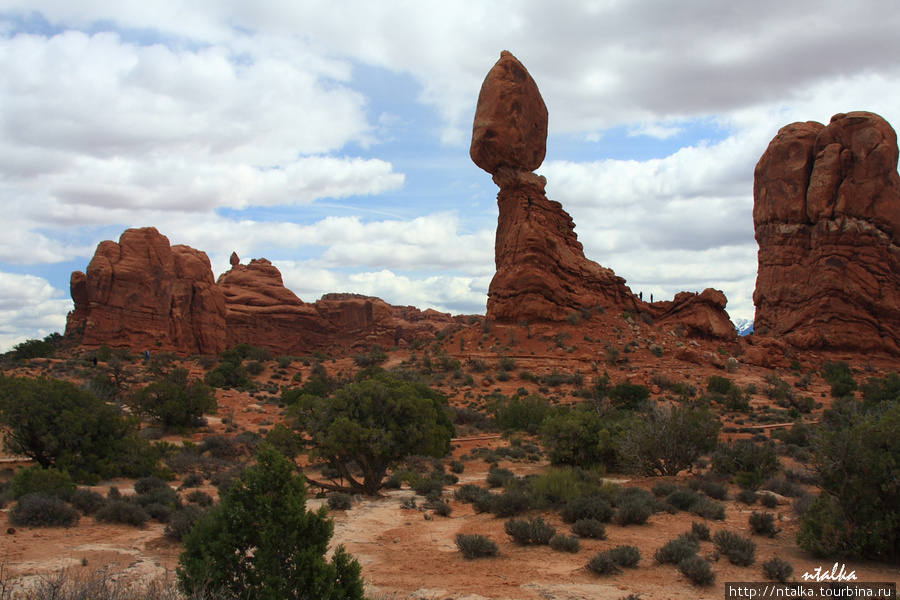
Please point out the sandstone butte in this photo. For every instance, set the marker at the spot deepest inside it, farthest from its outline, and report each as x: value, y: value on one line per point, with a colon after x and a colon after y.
x: 144, y: 294
x: 827, y: 219
x: 542, y: 272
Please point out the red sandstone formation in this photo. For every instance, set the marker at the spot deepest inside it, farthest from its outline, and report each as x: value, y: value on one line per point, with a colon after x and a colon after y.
x: 827, y: 218
x: 697, y: 315
x: 145, y: 294
x: 542, y: 272
x: 264, y: 313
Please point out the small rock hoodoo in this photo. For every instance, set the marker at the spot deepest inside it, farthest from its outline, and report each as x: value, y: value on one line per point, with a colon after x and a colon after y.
x: 827, y: 218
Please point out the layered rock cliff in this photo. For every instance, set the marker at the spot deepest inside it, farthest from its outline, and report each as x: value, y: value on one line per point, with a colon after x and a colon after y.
x: 146, y: 294
x: 827, y: 219
x: 141, y: 293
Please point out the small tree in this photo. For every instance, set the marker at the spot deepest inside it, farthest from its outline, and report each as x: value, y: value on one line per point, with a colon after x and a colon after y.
x: 858, y: 512
x: 58, y: 425
x: 261, y: 543
x: 175, y: 401
x: 668, y: 441
x: 373, y: 424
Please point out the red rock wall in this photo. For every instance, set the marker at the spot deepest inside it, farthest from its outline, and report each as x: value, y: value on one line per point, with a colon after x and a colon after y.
x: 827, y: 218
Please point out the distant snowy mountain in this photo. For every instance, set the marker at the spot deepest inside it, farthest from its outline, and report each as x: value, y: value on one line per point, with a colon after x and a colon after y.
x: 744, y: 326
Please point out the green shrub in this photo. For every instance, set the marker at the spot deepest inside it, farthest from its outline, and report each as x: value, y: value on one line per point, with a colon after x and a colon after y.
x: 429, y: 486
x: 38, y: 480
x: 558, y: 486
x: 667, y: 441
x: 748, y: 497
x: 340, y: 501
x: 42, y: 510
x: 145, y: 485
x: 33, y: 349
x: 499, y: 477
x: 589, y: 528
x: 698, y: 570
x: 176, y: 401
x: 778, y: 569
x: 676, y: 550
x: 162, y: 495
x: 664, y: 488
x: 763, y: 524
x: 714, y: 489
x: 633, y: 511
x: 441, y: 508
x: 122, y: 512
x: 476, y: 546
x: 87, y: 501
x: 738, y: 549
x: 565, y: 543
x: 262, y: 542
x: 588, y: 507
x: 457, y: 466
x: 191, y: 481
x: 700, y: 531
x: 469, y: 492
x: 626, y: 556
x: 857, y: 514
x: 709, y: 509
x: 160, y: 513
x: 535, y: 531
x: 200, y: 498
x: 840, y: 378
x: 768, y: 500
x: 182, y: 522
x: 749, y: 463
x: 628, y: 396
x: 522, y: 414
x: 886, y: 389
x: 603, y: 564
x: 508, y: 504
x: 684, y: 499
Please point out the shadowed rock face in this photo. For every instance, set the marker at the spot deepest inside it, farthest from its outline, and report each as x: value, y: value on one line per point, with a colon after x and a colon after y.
x: 827, y: 219
x: 143, y: 293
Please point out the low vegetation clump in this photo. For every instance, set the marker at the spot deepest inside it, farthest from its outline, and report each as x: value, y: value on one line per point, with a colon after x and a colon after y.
x: 43, y: 510
x: 603, y: 564
x: 182, y: 521
x: 535, y: 531
x: 739, y: 550
x: 709, y: 509
x: 778, y: 569
x: 633, y: 511
x: 340, y: 501
x: 626, y: 556
x: 763, y: 524
x: 676, y: 550
x: 698, y: 570
x: 122, y: 512
x: 589, y: 528
x: 701, y: 531
x: 588, y: 507
x: 476, y: 545
x: 565, y: 543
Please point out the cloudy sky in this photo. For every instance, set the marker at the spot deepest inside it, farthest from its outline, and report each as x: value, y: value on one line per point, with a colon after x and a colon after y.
x: 332, y: 136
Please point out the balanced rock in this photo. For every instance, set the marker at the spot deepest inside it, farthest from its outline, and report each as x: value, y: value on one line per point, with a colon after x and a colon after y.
x: 144, y: 293
x: 827, y: 219
x: 542, y: 272
x: 510, y: 127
